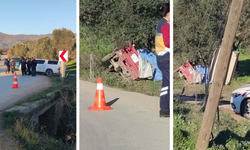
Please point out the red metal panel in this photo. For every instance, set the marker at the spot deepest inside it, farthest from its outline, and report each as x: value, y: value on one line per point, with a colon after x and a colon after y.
x: 187, y: 70
x: 129, y: 60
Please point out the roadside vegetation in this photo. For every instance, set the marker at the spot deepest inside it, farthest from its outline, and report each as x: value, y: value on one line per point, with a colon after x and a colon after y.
x: 29, y: 137
x: 109, y: 25
x: 241, y: 77
x: 47, y: 48
x: 195, y: 40
x: 233, y: 135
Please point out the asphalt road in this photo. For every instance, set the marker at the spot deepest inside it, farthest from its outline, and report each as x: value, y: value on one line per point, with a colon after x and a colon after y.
x: 132, y: 124
x: 28, y: 86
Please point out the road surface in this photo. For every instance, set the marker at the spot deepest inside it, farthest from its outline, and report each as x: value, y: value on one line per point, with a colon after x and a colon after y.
x: 132, y: 124
x: 28, y: 86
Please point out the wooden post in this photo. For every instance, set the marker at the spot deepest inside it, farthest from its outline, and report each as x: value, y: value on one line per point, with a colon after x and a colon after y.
x: 91, y: 71
x: 62, y: 71
x: 220, y: 74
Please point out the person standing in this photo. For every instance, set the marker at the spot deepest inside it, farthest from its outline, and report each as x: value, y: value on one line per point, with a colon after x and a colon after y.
x: 33, y: 65
x: 23, y: 67
x: 162, y: 48
x: 7, y: 63
x: 20, y: 60
x: 12, y: 66
x: 29, y: 65
x: 5, y: 60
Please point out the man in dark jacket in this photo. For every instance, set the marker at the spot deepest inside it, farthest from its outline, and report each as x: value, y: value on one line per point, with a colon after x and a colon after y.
x: 23, y: 67
x: 12, y: 65
x: 29, y: 65
x: 7, y: 63
x: 33, y: 65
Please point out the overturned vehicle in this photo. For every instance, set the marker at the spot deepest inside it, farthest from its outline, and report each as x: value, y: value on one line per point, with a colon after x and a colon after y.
x: 134, y: 63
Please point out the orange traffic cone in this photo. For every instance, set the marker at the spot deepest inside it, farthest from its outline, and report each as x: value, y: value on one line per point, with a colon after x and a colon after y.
x: 15, y: 85
x: 99, y: 103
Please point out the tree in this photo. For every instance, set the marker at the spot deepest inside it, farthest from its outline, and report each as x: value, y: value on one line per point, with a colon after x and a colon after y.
x: 31, y: 46
x: 11, y: 52
x: 199, y: 26
x: 44, y: 49
x: 115, y: 23
x: 243, y: 32
x: 21, y: 50
x: 47, y: 48
x: 18, y: 49
x: 64, y: 39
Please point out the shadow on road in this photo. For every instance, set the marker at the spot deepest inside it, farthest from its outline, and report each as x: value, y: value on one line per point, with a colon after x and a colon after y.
x: 198, y: 97
x: 111, y: 102
x: 224, y: 102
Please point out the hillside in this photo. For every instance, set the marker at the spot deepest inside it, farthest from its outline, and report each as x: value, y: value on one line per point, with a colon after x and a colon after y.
x: 7, y: 41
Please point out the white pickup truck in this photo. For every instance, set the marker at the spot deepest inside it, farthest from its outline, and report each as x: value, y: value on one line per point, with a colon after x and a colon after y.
x: 49, y: 67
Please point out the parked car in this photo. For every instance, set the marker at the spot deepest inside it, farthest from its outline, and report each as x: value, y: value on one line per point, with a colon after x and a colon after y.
x: 240, y: 101
x: 49, y: 67
x: 17, y: 60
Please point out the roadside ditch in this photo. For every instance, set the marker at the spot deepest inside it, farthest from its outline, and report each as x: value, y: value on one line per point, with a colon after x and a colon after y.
x: 44, y: 122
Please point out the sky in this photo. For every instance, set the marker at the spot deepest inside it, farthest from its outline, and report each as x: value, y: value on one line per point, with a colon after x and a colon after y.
x: 37, y: 16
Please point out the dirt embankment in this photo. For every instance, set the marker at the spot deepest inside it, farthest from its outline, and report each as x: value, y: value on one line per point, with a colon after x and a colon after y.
x: 6, y: 142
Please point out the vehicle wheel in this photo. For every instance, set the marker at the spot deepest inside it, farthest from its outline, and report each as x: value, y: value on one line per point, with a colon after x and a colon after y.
x: 245, y: 109
x: 49, y: 72
x: 109, y: 56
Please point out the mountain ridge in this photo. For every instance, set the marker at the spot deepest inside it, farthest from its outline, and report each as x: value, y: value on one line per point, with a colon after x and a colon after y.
x: 8, y: 40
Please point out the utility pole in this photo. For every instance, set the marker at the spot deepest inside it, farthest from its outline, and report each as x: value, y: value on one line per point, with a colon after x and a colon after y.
x: 220, y: 75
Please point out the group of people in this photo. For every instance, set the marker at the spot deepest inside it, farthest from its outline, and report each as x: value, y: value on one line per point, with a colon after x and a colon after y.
x: 10, y: 65
x: 27, y: 67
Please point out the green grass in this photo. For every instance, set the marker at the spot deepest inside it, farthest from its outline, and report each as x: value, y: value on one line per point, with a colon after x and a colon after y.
x: 94, y: 44
x: 115, y: 80
x: 98, y: 48
x: 39, y: 95
x: 233, y: 135
x: 28, y: 137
